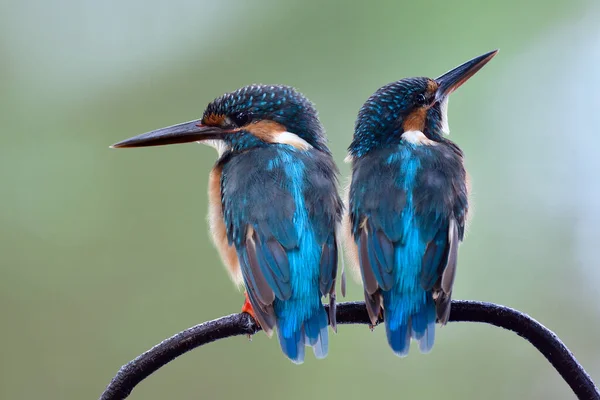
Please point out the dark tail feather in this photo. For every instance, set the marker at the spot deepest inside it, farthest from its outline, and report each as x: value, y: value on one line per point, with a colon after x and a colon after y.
x: 316, y: 333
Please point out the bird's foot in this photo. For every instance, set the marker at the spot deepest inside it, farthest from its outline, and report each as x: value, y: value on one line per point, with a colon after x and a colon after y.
x: 247, y: 308
x: 379, y: 318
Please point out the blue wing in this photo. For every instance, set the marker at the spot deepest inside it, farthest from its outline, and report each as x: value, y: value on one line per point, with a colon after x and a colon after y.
x: 376, y: 205
x: 324, y: 209
x: 440, y: 206
x: 258, y: 213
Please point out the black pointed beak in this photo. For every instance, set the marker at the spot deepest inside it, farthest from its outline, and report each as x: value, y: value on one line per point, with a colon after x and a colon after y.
x: 454, y: 78
x: 192, y: 131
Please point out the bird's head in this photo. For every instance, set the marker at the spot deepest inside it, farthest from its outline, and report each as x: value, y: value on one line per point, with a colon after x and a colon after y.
x: 253, y: 116
x: 411, y: 109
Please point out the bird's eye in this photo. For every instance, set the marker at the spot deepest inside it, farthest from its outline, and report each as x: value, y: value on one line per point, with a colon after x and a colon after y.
x: 421, y: 100
x: 241, y: 119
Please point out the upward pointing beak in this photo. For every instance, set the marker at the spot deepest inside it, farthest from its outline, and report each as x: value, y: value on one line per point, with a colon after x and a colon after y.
x: 454, y: 78
x: 186, y: 132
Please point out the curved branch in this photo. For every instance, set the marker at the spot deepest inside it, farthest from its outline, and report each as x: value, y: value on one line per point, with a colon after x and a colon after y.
x: 538, y: 335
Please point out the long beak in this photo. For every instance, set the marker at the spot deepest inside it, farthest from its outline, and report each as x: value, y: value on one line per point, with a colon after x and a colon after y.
x: 454, y: 78
x: 192, y: 131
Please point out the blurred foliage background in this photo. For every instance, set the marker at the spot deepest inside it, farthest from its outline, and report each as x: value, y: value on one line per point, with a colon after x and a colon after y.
x: 104, y: 253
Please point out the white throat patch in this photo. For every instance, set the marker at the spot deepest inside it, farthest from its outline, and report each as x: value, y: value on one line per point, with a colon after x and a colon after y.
x: 444, y: 111
x: 217, y: 144
x: 418, y: 138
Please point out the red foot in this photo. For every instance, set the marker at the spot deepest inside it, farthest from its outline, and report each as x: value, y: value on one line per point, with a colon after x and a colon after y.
x: 247, y: 308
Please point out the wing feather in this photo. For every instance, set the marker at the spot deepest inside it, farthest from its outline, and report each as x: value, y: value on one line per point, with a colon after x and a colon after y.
x: 369, y: 280
x: 380, y: 255
x: 328, y: 265
x: 264, y: 292
x: 265, y: 314
x: 443, y: 288
x: 450, y: 268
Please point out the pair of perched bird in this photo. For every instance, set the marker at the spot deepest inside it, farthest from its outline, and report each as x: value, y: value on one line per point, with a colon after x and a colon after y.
x: 275, y: 211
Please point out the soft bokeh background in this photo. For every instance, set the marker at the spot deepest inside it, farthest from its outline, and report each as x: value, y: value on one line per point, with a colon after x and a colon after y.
x: 104, y: 253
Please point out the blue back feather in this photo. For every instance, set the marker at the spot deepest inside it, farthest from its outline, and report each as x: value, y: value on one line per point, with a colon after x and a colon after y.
x: 289, y: 200
x: 405, y: 202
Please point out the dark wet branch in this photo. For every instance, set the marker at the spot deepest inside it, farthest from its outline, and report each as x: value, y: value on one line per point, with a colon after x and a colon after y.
x: 539, y: 336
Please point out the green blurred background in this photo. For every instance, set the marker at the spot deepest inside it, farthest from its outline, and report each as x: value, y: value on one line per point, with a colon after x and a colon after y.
x: 104, y: 253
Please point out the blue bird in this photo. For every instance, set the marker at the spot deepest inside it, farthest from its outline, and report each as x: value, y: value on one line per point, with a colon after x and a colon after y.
x: 408, y: 203
x: 273, y: 207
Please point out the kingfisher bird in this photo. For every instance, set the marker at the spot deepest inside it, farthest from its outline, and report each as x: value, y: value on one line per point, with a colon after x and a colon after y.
x: 274, y: 207
x: 408, y: 204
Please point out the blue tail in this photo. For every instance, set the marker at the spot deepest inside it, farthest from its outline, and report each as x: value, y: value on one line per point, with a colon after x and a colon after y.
x: 293, y: 345
x: 420, y: 325
x: 316, y: 333
x: 312, y: 333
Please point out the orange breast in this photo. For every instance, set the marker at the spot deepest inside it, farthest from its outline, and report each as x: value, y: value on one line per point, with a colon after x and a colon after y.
x: 217, y: 227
